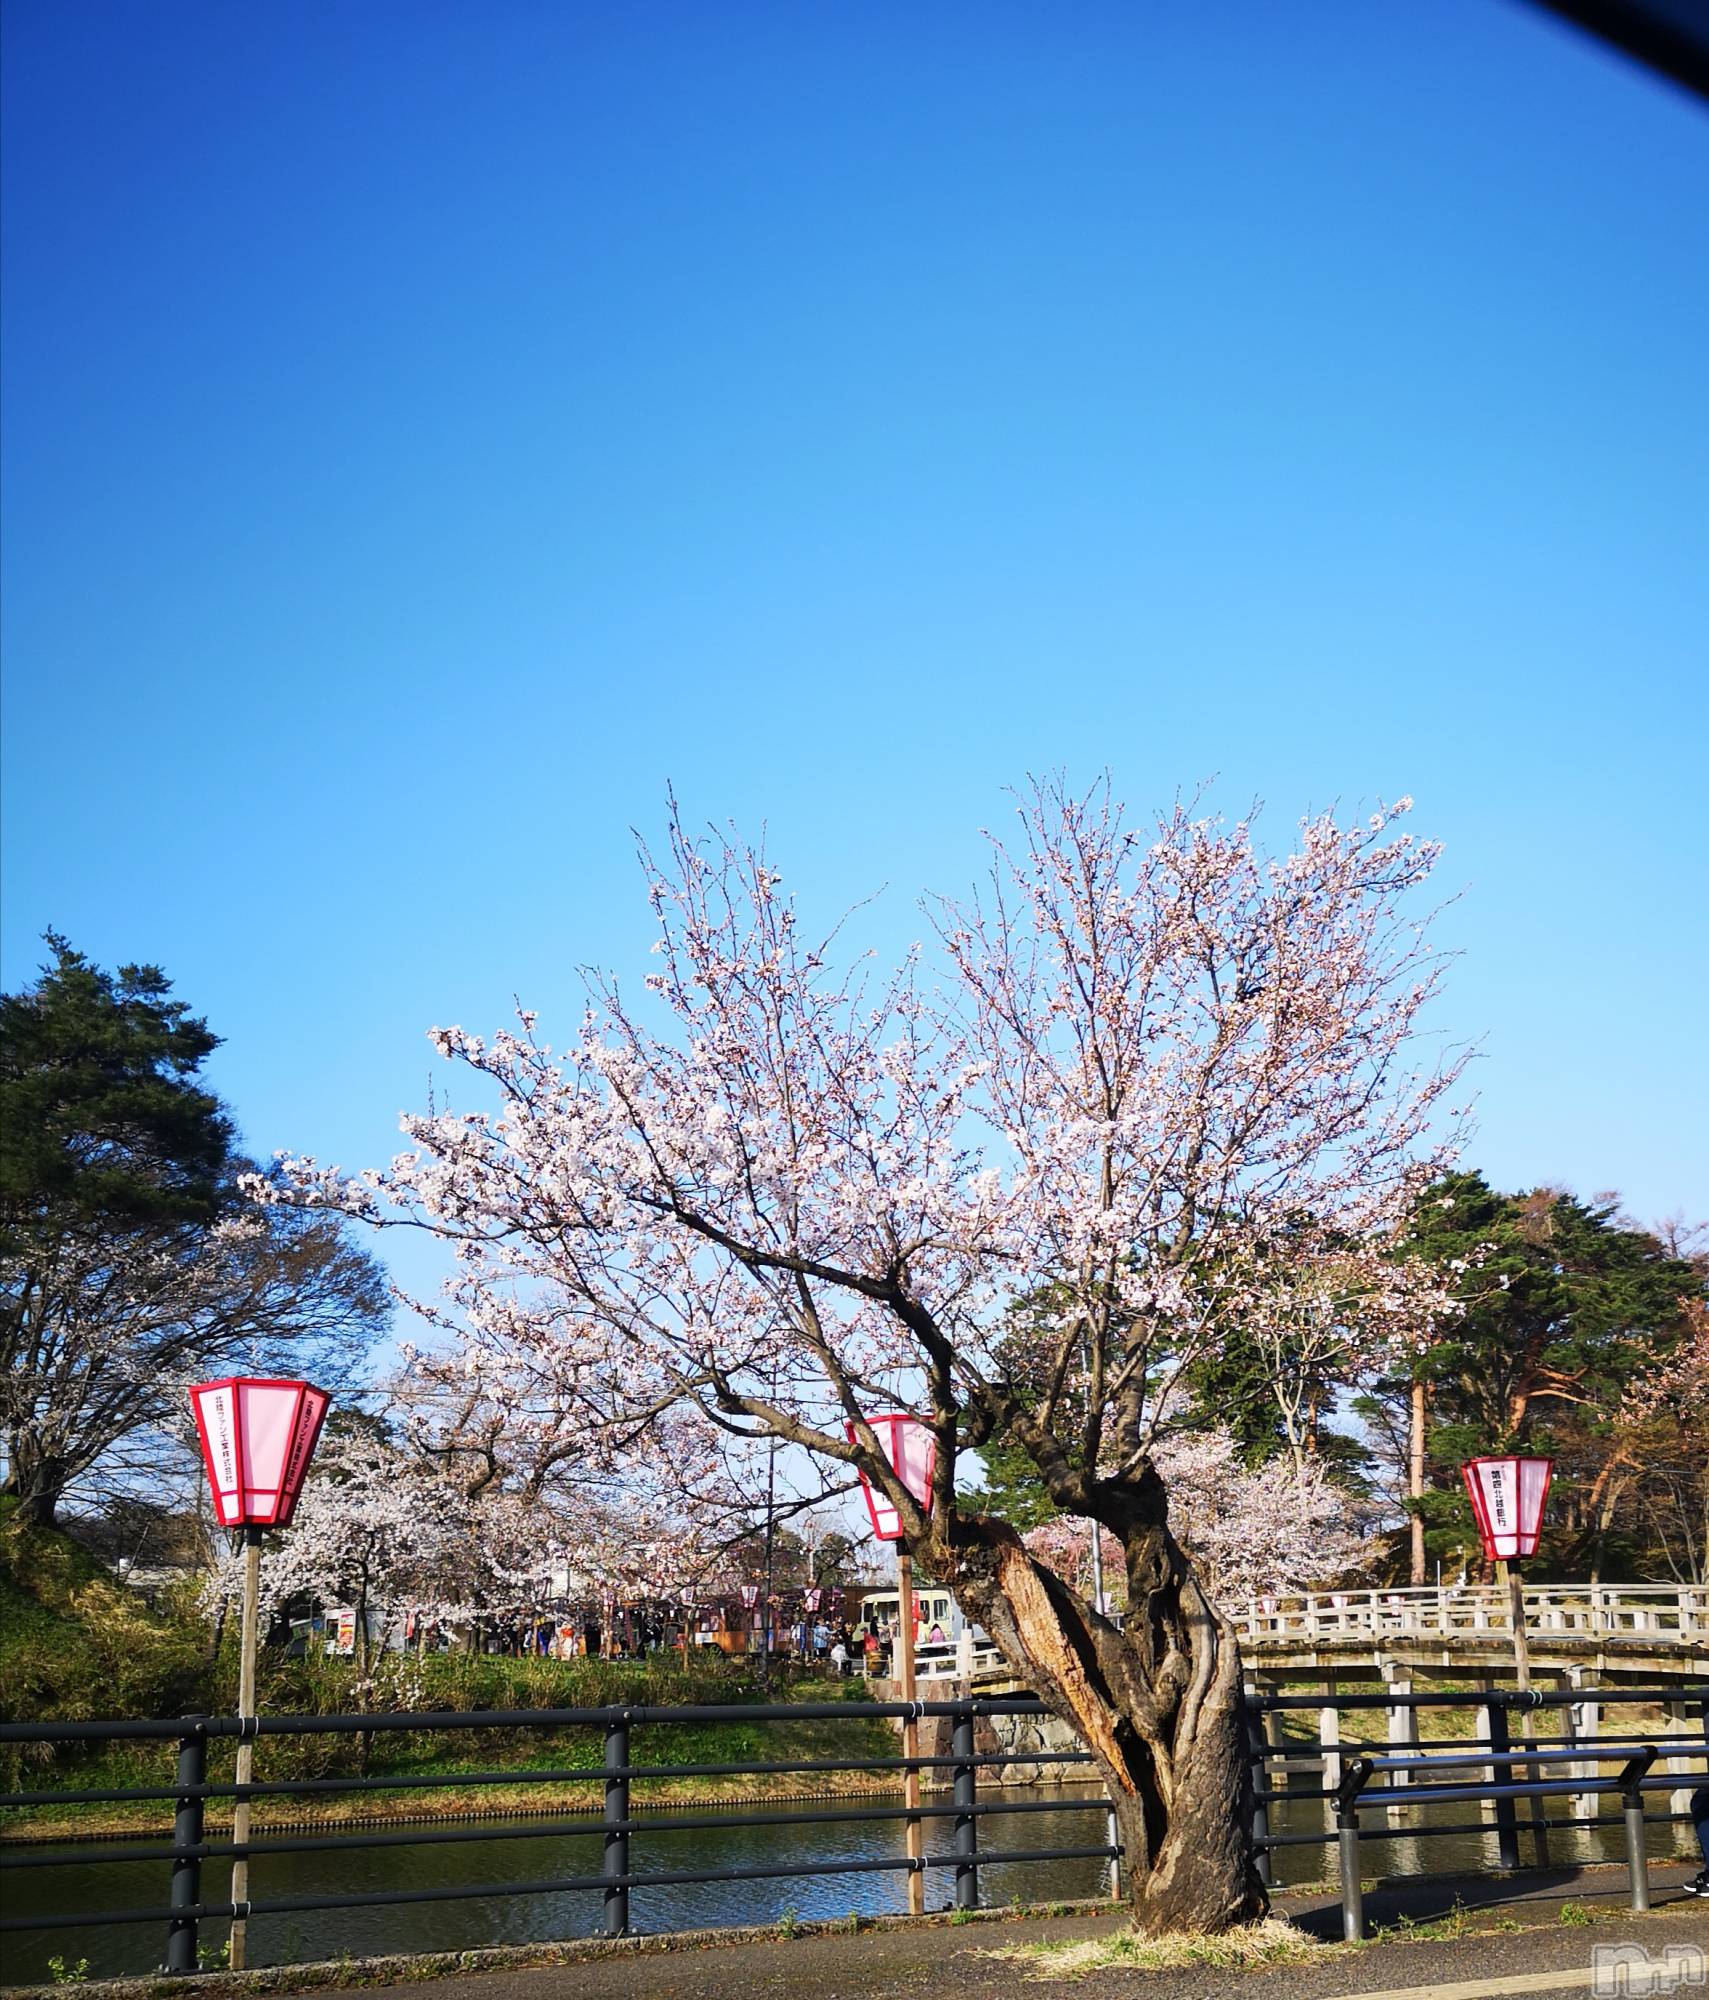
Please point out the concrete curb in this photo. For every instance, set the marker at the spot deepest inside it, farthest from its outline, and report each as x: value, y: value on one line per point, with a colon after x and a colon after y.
x: 400, y: 1968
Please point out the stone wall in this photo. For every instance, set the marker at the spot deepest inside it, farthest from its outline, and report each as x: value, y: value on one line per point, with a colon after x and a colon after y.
x: 1024, y: 1736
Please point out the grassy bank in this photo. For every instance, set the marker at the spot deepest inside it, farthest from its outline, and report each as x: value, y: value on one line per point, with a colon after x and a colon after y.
x: 75, y: 1644
x: 419, y: 1755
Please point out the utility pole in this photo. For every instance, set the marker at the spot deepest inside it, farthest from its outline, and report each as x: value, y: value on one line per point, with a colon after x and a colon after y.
x: 770, y: 1545
x: 1098, y: 1602
x: 1415, y: 1477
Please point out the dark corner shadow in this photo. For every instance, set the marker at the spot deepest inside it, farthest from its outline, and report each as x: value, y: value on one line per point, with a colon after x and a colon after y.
x: 1433, y: 1896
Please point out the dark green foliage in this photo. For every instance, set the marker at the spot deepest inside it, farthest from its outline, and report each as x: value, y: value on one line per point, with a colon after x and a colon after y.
x: 74, y: 1643
x: 102, y: 1115
x: 1229, y: 1386
x: 1230, y: 1390
x: 1565, y: 1303
x: 1013, y: 1490
x: 833, y: 1559
x: 1227, y: 1389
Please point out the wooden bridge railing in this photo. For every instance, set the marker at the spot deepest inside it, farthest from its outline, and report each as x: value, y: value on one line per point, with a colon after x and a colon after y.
x: 1664, y: 1614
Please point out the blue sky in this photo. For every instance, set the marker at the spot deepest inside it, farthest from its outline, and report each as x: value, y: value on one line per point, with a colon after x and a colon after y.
x: 432, y: 429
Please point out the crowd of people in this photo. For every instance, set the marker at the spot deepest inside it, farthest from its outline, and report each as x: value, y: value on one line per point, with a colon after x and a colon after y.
x: 636, y: 1632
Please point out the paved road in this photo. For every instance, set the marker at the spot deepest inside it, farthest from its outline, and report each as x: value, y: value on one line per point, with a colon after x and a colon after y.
x: 908, y: 1964
x: 1498, y: 1940
x: 901, y: 1962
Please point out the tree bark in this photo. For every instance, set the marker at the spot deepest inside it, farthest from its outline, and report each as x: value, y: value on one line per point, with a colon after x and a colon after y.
x: 1158, y: 1704
x: 36, y: 1481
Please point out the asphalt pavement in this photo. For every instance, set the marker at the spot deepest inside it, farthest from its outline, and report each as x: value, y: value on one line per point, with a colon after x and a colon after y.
x: 1439, y: 1938
x: 905, y: 1962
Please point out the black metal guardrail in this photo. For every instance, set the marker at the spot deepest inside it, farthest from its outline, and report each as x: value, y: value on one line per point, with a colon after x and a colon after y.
x: 186, y: 1906
x: 1501, y: 1790
x: 188, y: 1849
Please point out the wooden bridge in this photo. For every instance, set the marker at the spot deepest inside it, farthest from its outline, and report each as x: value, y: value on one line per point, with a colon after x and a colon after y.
x: 1590, y: 1630
x: 1578, y: 1632
x: 1359, y: 1649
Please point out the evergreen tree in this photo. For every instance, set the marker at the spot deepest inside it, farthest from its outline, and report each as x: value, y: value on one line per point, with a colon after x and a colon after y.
x: 103, y: 1116
x: 1563, y: 1302
x: 130, y: 1261
x: 1012, y: 1489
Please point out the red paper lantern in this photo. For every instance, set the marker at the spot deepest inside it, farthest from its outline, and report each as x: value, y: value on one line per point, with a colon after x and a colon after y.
x: 912, y: 1449
x: 1507, y: 1496
x: 258, y: 1434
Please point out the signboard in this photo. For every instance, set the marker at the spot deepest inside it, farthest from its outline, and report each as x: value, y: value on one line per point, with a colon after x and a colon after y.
x: 1507, y: 1496
x: 305, y: 1435
x: 257, y: 1435
x: 215, y: 1408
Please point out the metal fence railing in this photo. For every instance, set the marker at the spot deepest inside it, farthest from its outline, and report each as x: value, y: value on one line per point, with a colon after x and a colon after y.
x: 187, y: 1906
x: 1619, y: 1767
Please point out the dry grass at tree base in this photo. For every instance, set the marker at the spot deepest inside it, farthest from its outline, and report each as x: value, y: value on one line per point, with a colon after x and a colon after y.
x: 1273, y: 1941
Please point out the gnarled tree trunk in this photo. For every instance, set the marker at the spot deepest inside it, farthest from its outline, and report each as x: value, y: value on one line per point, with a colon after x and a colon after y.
x: 36, y: 1479
x: 1159, y: 1703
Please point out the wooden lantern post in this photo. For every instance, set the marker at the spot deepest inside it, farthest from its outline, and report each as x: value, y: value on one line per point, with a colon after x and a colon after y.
x: 912, y: 1450
x: 1507, y: 1496
x: 912, y: 1833
x: 257, y: 1435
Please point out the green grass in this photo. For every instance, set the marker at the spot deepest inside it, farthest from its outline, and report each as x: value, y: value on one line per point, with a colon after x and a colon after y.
x: 1458, y: 1923
x: 76, y: 1644
x: 1367, y: 1728
x: 420, y: 1754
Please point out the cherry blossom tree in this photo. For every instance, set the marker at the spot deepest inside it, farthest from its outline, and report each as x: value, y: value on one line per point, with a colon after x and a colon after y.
x: 451, y: 1521
x: 382, y: 1529
x: 375, y: 1529
x: 1148, y: 1074
x: 1657, y: 1460
x: 1245, y: 1530
x: 625, y: 1510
